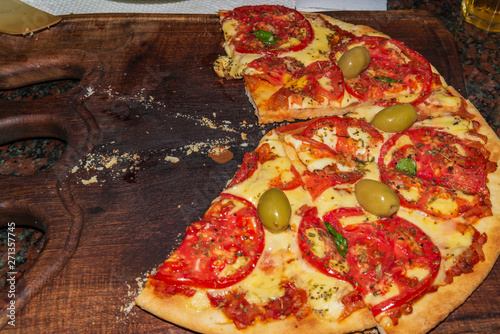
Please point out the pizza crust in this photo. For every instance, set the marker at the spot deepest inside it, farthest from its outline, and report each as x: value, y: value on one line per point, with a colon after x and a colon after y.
x: 435, y: 307
x: 211, y: 320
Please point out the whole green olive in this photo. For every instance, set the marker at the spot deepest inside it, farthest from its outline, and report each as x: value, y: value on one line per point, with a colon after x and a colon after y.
x: 354, y: 61
x: 274, y: 210
x: 376, y: 197
x: 395, y: 118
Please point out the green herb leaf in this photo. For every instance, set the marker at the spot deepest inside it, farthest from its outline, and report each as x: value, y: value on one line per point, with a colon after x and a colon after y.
x: 266, y: 37
x: 386, y: 79
x: 407, y: 165
x: 339, y: 240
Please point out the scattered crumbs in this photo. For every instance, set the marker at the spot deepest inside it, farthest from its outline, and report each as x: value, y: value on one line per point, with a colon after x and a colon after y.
x: 90, y: 92
x: 244, y: 136
x: 111, y: 162
x: 172, y: 159
x: 205, y: 147
x: 132, y: 291
x: 108, y: 162
x: 244, y: 144
x: 93, y: 179
x: 146, y: 101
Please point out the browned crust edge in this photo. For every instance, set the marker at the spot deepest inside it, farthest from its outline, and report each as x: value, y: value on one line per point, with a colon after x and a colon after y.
x: 211, y: 320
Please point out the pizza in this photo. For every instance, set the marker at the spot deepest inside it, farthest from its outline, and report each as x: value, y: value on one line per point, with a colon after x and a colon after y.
x: 373, y: 208
x: 302, y: 65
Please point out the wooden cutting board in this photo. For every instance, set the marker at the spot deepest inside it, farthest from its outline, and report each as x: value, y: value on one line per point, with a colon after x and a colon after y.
x: 136, y: 171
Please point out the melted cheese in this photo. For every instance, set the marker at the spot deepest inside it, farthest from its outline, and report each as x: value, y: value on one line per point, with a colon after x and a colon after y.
x: 199, y: 301
x: 262, y: 287
x: 373, y: 299
x: 452, y: 124
x: 445, y: 236
x: 315, y: 243
x: 333, y: 198
x: 402, y: 141
x: 326, y: 136
x: 318, y: 50
x: 324, y: 294
x: 410, y: 194
x: 443, y: 206
x: 417, y: 272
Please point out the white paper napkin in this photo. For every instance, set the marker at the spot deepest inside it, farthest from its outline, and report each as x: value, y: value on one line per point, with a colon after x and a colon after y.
x: 61, y: 7
x: 322, y: 5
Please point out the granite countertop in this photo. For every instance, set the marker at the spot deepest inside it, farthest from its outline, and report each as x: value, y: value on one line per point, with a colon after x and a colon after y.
x: 478, y: 51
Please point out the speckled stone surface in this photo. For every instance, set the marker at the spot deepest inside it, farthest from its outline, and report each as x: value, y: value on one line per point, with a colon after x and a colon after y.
x: 478, y: 51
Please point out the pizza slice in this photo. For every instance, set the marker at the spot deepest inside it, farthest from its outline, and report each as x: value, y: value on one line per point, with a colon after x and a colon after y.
x: 300, y: 66
x: 335, y: 264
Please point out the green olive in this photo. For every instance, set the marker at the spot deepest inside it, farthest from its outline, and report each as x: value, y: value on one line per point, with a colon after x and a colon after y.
x: 376, y: 197
x: 395, y: 118
x: 354, y: 61
x: 274, y: 210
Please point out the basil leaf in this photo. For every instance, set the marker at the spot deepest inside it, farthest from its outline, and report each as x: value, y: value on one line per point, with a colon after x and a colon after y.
x: 386, y: 79
x: 339, y: 240
x: 407, y: 165
x: 266, y: 37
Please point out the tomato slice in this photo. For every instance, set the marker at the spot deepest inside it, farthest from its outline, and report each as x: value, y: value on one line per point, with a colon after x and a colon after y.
x: 348, y: 132
x: 318, y: 247
x: 319, y: 80
x: 426, y: 194
x: 349, y: 147
x: 442, y: 158
x: 276, y: 70
x: 251, y: 162
x: 220, y: 250
x: 248, y: 167
x: 289, y: 29
x: 394, y: 70
x: 386, y: 254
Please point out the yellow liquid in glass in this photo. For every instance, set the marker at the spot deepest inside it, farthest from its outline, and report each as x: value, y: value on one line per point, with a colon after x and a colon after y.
x: 484, y: 14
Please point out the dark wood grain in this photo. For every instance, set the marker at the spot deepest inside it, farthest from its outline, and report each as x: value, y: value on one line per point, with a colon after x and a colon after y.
x: 114, y: 206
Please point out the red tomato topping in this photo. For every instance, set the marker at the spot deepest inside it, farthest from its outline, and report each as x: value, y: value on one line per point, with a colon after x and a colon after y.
x: 318, y: 247
x: 471, y: 207
x: 237, y: 308
x: 394, y: 69
x: 382, y: 253
x: 230, y: 233
x: 346, y: 144
x: 289, y: 29
x: 251, y: 162
x: 324, y: 71
x: 243, y: 313
x: 274, y: 69
x: 320, y: 81
x: 293, y: 302
x: 348, y: 151
x: 470, y: 257
x: 441, y: 158
x: 163, y: 288
x: 352, y: 302
x: 339, y: 34
x: 248, y: 167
